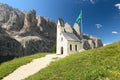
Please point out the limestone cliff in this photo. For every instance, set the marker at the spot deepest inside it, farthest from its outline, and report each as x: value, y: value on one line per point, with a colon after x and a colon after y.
x: 24, y: 33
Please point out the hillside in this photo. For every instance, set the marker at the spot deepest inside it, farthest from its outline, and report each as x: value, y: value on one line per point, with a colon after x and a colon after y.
x: 9, y: 66
x: 97, y: 64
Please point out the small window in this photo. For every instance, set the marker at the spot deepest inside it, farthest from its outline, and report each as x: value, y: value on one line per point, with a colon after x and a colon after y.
x: 75, y: 47
x: 70, y: 47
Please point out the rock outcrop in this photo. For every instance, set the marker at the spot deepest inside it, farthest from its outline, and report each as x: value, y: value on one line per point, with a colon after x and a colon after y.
x: 68, y: 28
x: 15, y: 21
x: 76, y: 31
x: 47, y: 27
x: 10, y: 46
x: 24, y: 33
x: 92, y: 41
x: 11, y: 19
x: 77, y: 28
x: 34, y: 44
x: 30, y: 25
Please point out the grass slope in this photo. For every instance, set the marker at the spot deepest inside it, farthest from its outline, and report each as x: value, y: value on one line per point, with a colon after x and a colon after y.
x: 97, y: 64
x: 8, y: 67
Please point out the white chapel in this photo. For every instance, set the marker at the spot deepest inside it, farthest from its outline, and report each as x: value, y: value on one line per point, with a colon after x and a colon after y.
x: 70, y: 40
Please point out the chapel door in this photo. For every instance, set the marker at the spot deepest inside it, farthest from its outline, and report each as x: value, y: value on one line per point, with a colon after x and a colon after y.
x: 61, y: 50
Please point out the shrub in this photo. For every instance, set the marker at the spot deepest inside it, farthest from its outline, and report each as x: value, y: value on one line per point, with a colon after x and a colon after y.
x: 54, y: 47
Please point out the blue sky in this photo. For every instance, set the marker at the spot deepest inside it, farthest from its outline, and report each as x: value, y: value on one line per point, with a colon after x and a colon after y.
x: 101, y: 18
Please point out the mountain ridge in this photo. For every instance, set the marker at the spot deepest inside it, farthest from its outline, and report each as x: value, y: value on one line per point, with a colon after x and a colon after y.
x: 33, y: 33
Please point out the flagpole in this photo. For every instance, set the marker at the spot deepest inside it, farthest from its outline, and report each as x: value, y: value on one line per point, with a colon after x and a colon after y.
x: 81, y: 23
x: 81, y: 27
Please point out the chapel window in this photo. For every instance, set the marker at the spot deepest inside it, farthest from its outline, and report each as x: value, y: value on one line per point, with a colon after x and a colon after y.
x: 75, y: 47
x: 70, y: 47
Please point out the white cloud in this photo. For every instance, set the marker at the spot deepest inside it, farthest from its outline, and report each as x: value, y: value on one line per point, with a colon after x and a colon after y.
x: 98, y: 26
x: 117, y: 5
x: 92, y: 1
x: 106, y: 44
x: 114, y: 32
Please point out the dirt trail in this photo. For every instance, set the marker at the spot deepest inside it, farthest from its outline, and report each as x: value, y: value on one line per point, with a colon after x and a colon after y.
x: 32, y: 67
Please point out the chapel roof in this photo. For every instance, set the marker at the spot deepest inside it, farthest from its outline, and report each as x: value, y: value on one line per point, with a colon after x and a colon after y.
x: 70, y: 36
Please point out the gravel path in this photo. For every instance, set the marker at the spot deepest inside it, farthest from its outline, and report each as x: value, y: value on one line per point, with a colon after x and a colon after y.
x: 32, y: 67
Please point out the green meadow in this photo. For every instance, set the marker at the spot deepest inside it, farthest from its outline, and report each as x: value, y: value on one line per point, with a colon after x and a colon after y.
x: 8, y: 67
x: 96, y: 64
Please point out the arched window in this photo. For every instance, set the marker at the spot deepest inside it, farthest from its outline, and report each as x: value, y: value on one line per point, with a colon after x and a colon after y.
x: 75, y: 47
x: 70, y: 47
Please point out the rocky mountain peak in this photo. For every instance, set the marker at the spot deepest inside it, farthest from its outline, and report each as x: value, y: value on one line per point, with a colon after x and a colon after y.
x: 76, y: 28
x: 11, y: 19
x: 68, y: 28
x: 33, y: 33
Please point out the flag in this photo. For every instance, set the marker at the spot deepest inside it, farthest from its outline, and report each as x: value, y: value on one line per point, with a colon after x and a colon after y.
x: 79, y: 17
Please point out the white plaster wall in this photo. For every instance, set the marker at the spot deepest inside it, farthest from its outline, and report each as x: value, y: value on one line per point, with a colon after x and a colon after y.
x: 73, y: 43
x: 61, y: 43
x: 64, y: 43
x: 58, y: 40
